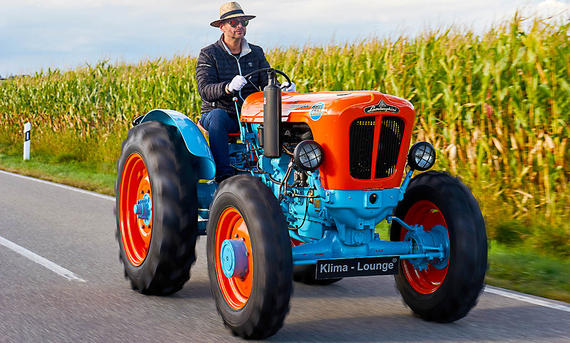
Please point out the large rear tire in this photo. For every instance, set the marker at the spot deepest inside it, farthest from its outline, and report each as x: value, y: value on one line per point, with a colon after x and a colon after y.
x: 253, y: 306
x: 446, y: 294
x: 157, y: 248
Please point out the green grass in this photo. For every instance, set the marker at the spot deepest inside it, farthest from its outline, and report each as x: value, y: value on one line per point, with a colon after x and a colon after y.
x: 78, y: 174
x: 526, y: 270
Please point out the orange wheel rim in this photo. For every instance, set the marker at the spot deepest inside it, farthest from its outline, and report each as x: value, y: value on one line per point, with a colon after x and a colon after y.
x: 236, y: 290
x: 426, y: 281
x: 135, y: 232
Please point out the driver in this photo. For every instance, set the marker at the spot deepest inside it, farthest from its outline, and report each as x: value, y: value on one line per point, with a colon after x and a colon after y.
x: 219, y: 73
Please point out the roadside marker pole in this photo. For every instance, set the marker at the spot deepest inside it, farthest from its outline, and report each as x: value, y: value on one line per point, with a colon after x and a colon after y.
x: 27, y: 129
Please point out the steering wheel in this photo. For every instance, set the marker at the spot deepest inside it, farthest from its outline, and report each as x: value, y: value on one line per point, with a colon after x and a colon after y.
x: 249, y: 75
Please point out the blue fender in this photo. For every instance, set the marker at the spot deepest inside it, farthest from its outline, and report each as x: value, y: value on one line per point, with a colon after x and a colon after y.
x: 192, y: 136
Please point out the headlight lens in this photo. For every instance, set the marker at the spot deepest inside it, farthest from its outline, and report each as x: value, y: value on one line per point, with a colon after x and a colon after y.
x: 308, y: 155
x: 421, y: 156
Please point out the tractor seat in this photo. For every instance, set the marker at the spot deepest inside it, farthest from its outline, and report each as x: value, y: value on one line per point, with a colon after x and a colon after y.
x: 233, y: 137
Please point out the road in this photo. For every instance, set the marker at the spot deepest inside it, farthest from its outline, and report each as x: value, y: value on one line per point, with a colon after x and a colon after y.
x: 45, y: 226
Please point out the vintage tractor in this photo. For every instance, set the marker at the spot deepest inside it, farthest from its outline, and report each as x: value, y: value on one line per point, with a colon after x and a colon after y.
x: 316, y: 174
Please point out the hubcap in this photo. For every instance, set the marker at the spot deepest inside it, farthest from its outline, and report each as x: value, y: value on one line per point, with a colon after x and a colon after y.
x: 143, y: 209
x: 233, y: 258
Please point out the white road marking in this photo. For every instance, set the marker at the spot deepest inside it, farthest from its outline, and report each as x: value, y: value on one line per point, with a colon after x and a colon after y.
x: 531, y: 300
x: 40, y: 260
x: 78, y: 190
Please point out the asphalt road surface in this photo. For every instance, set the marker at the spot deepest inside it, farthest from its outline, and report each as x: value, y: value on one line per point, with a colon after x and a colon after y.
x: 61, y: 281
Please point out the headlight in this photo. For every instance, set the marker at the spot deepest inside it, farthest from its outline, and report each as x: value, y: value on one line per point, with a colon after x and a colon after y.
x: 308, y: 155
x: 421, y: 156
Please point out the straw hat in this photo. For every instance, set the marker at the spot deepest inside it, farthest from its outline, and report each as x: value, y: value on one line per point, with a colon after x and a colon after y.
x: 230, y: 10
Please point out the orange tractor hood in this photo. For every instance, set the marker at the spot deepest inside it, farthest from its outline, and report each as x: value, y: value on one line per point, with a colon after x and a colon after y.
x: 330, y: 116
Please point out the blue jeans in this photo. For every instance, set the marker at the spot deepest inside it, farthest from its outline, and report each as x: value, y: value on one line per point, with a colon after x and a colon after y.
x: 219, y: 124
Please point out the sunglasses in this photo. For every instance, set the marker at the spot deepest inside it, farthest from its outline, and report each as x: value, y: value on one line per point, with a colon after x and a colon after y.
x: 235, y: 22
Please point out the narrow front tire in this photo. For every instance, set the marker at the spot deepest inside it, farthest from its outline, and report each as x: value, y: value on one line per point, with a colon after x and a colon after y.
x: 443, y: 293
x: 253, y: 305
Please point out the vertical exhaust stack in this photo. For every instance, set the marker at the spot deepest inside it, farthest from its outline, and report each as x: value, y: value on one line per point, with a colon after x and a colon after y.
x: 272, y: 117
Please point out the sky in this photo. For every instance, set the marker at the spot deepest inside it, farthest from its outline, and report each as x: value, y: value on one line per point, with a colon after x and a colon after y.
x: 65, y: 34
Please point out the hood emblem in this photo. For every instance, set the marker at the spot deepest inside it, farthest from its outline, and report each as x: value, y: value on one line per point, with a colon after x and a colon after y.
x: 382, y: 107
x: 317, y: 110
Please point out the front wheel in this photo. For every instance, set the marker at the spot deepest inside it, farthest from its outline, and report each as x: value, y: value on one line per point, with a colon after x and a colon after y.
x: 253, y: 303
x: 443, y: 293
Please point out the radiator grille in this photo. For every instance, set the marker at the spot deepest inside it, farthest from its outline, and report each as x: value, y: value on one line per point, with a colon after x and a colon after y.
x: 391, y: 134
x: 361, y: 141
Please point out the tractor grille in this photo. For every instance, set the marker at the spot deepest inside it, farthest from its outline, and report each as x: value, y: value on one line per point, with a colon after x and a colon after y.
x: 391, y: 135
x: 361, y: 146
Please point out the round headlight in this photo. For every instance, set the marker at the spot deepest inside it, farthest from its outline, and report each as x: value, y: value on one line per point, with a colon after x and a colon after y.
x: 421, y: 156
x: 308, y: 155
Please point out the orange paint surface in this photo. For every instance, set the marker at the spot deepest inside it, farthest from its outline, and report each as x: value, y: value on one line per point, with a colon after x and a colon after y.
x: 331, y: 130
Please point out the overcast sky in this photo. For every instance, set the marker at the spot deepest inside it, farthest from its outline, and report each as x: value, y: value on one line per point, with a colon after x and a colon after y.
x: 36, y: 34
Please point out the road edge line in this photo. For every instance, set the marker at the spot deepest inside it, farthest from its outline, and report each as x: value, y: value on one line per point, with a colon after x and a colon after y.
x: 526, y: 298
x: 79, y: 190
x: 40, y: 260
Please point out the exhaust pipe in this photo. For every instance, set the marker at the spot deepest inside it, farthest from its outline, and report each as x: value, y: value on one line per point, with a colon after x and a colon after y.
x: 272, y: 117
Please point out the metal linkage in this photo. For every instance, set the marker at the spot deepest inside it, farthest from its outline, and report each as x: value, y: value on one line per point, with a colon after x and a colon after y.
x: 331, y: 247
x: 401, y: 222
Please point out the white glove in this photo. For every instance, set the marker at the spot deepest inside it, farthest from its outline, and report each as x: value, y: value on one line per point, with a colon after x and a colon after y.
x: 237, y: 83
x: 289, y: 88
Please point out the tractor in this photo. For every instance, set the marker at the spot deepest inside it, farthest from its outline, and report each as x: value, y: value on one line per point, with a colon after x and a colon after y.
x: 316, y: 173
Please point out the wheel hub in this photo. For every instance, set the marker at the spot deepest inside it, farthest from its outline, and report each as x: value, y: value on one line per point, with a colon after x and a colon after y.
x: 143, y: 209
x: 434, y: 240
x: 233, y: 258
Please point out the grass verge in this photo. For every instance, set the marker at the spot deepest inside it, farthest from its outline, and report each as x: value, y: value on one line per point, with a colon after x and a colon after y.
x: 526, y: 270
x: 515, y: 267
x: 78, y: 174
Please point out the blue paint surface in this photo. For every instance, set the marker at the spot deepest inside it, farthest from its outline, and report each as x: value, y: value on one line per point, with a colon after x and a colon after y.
x: 192, y: 136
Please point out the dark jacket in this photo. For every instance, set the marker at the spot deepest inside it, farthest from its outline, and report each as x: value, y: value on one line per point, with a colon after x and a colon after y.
x: 216, y: 67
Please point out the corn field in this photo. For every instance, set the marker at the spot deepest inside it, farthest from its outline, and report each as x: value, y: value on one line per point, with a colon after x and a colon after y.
x: 495, y: 106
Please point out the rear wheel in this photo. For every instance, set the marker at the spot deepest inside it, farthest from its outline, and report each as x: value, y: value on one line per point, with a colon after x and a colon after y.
x: 255, y: 303
x: 156, y: 209
x: 443, y: 293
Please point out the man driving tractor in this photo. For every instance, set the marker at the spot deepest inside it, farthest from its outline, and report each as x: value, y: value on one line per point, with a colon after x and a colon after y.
x: 219, y: 74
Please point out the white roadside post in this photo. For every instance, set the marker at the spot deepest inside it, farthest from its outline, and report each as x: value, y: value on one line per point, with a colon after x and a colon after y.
x: 27, y: 129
